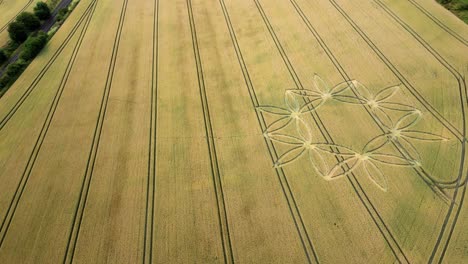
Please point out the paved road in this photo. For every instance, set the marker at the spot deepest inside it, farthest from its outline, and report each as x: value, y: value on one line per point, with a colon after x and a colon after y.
x: 47, y: 25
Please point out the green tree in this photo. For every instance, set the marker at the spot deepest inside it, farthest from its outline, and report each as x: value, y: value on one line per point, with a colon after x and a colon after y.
x: 30, y: 21
x: 42, y: 11
x: 15, y: 69
x: 3, y: 57
x: 18, y: 32
x: 33, y: 45
x: 12, y: 73
x: 62, y: 14
x: 4, y: 82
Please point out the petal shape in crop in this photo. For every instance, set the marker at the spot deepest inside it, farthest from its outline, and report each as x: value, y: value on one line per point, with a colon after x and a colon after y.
x: 343, y: 168
x: 278, y: 124
x: 318, y: 162
x: 362, y: 91
x: 376, y: 143
x: 289, y: 156
x: 376, y: 175
x: 386, y: 93
x: 284, y: 139
x: 291, y: 101
x: 391, y: 159
x: 424, y: 136
x: 274, y: 110
x: 320, y: 85
x: 408, y: 120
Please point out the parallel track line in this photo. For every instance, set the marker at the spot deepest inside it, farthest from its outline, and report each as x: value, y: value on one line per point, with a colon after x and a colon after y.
x: 461, y: 87
x: 454, y: 131
x: 462, y: 139
x: 296, y: 216
x: 217, y: 181
x: 323, y: 130
x: 152, y: 157
x: 42, y: 135
x: 438, y: 22
x: 88, y: 175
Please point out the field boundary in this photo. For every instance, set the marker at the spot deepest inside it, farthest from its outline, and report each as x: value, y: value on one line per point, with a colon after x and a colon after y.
x: 152, y: 156
x: 42, y: 135
x: 217, y: 180
x: 83, y: 197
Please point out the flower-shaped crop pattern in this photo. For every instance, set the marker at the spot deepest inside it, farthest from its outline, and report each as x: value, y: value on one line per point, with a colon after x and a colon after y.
x: 293, y: 111
x: 378, y: 103
x: 369, y: 159
x: 401, y: 134
x: 301, y: 144
x: 301, y: 101
x: 300, y: 141
x: 322, y: 92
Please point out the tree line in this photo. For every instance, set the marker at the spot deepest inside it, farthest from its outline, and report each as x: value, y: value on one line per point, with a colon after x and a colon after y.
x: 24, y: 30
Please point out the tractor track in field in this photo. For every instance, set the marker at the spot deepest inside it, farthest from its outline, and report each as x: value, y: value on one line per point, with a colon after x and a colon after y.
x: 358, y: 189
x: 215, y: 172
x: 42, y: 135
x: 460, y: 205
x: 281, y: 175
x: 462, y: 87
x: 43, y: 71
x: 462, y: 140
x: 14, y: 17
x: 456, y: 74
x: 151, y: 182
x: 345, y: 76
x: 399, y: 75
x: 287, y: 192
x: 87, y: 178
x: 424, y: 175
x: 438, y: 22
x: 428, y: 180
x: 454, y: 222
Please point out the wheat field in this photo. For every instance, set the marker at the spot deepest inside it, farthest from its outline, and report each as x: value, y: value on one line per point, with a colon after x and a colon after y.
x: 249, y: 131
